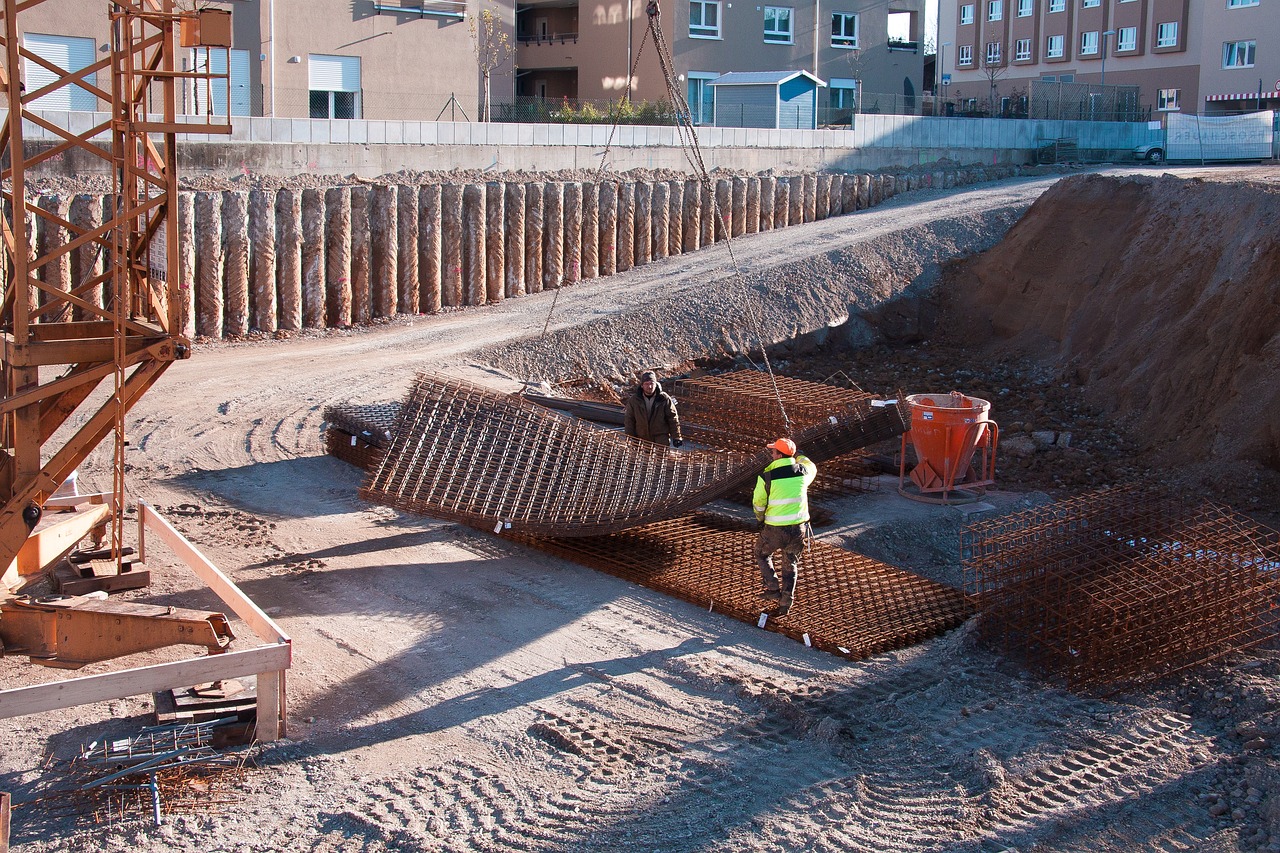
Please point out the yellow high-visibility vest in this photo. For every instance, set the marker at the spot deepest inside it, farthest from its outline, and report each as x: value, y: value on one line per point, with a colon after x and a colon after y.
x: 782, y: 491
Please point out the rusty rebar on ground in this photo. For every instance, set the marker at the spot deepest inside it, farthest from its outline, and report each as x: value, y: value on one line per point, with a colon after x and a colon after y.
x: 1122, y: 585
x: 496, y: 461
x: 846, y: 604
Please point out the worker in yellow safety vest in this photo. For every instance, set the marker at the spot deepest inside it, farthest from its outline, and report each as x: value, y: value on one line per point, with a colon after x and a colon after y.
x: 781, y: 502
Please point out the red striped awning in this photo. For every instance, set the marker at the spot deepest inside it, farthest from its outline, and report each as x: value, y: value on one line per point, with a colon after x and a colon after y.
x: 1246, y: 96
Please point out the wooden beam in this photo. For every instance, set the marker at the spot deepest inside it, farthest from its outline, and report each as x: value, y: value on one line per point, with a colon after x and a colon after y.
x: 221, y: 585
x: 45, y: 546
x: 39, y: 698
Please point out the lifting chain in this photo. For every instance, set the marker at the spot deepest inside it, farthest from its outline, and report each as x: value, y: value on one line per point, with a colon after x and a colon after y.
x: 693, y: 155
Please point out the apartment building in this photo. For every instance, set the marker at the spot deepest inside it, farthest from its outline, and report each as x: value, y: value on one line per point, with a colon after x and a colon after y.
x: 589, y: 53
x: 390, y: 59
x: 1199, y: 56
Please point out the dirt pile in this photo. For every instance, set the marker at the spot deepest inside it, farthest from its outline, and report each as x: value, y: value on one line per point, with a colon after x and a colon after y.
x: 1157, y: 296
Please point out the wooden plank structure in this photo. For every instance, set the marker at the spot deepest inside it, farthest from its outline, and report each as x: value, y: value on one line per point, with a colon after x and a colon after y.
x: 268, y: 662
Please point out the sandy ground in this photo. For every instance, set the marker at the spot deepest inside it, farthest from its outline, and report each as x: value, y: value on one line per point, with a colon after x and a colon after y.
x: 453, y: 691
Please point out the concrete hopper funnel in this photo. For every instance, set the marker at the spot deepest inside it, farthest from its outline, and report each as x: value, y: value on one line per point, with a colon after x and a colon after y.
x: 946, y: 431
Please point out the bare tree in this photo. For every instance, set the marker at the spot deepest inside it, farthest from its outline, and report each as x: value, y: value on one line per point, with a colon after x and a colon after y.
x: 492, y: 43
x: 993, y: 71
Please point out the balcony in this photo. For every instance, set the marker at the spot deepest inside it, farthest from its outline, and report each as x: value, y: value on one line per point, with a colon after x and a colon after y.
x: 555, y: 38
x: 904, y: 46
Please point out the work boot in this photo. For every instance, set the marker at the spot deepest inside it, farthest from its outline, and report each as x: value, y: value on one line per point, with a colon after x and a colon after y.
x: 787, y: 591
x: 773, y: 592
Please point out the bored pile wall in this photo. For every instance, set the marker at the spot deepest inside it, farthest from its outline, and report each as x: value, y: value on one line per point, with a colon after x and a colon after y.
x: 274, y: 261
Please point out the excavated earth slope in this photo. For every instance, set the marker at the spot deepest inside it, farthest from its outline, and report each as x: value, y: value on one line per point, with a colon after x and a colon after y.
x: 1159, y: 297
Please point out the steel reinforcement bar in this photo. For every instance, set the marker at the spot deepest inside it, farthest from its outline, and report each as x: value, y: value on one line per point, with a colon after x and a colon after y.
x: 495, y: 461
x: 1122, y: 584
x: 846, y: 603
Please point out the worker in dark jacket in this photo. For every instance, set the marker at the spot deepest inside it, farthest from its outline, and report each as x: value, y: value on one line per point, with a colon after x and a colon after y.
x: 651, y: 413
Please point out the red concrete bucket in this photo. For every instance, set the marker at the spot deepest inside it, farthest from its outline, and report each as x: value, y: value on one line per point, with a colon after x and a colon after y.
x: 946, y: 431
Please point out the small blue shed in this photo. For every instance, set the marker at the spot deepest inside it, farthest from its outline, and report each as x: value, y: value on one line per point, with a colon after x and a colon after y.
x: 785, y: 99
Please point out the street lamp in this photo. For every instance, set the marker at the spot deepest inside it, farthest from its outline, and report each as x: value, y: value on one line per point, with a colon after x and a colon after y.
x: 1105, y: 33
x: 937, y: 86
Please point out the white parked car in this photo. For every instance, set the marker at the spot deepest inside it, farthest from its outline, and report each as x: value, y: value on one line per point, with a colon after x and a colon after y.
x: 1152, y: 152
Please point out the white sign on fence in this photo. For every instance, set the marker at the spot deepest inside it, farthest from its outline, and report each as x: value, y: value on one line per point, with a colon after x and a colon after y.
x: 1243, y: 137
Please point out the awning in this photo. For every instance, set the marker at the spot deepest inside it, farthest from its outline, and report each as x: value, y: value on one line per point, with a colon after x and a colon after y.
x: 1246, y: 96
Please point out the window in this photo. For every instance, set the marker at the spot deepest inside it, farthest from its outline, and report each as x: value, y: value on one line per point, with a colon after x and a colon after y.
x: 966, y: 55
x: 995, y: 10
x: 1057, y: 5
x: 1238, y: 54
x: 234, y: 88
x: 1240, y: 4
x: 843, y: 99
x: 704, y: 19
x: 844, y: 29
x: 1167, y: 99
x: 1022, y: 51
x: 1128, y: 39
x: 993, y: 53
x: 68, y: 53
x: 1053, y: 47
x: 1025, y: 8
x: 1167, y: 35
x: 1089, y: 43
x: 966, y: 14
x: 1090, y: 4
x: 702, y: 97
x: 777, y: 25
x: 334, y: 84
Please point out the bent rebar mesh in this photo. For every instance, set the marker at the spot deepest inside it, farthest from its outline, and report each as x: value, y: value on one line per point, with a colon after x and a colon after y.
x: 471, y: 454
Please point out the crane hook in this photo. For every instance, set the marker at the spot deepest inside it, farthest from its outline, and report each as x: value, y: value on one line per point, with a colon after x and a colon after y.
x: 652, y: 9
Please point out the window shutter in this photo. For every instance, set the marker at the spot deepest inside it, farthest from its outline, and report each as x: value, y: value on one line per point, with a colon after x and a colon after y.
x: 333, y: 73
x: 66, y: 52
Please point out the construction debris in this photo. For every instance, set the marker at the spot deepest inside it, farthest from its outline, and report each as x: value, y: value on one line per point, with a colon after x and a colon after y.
x: 846, y: 604
x: 1122, y: 585
x: 162, y: 770
x: 498, y: 462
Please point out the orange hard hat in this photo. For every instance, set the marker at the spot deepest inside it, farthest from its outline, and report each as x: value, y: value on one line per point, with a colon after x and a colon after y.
x: 785, y: 446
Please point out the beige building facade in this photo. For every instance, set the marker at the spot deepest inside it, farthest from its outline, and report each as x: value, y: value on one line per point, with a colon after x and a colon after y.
x: 396, y: 59
x: 1197, y: 56
x: 584, y: 51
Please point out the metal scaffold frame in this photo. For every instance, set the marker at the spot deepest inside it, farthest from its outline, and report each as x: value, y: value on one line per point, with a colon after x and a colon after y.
x: 123, y: 318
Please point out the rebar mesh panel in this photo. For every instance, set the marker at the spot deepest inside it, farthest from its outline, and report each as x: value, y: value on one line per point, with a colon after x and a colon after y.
x: 372, y: 423
x: 745, y: 402
x: 846, y: 603
x: 739, y: 411
x: 1122, y: 584
x: 468, y: 453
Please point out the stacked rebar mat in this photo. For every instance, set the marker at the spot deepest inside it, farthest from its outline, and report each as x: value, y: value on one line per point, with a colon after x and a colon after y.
x: 359, y: 435
x: 495, y: 461
x: 1122, y: 585
x: 739, y: 411
x: 846, y: 603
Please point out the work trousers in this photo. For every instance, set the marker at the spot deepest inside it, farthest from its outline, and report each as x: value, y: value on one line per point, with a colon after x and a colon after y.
x: 789, y: 539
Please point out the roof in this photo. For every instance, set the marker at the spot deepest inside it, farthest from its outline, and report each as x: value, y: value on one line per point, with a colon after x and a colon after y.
x: 761, y: 78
